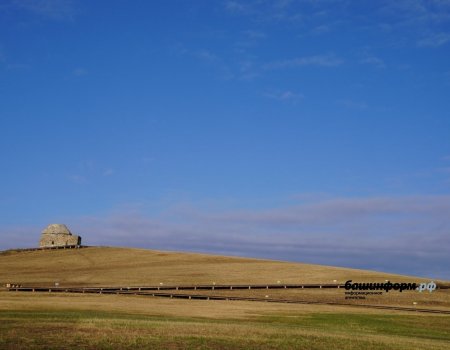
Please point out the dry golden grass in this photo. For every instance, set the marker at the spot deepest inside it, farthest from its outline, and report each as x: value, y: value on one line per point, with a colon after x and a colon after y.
x: 145, y: 305
x: 67, y: 321
x: 98, y: 266
x: 439, y: 299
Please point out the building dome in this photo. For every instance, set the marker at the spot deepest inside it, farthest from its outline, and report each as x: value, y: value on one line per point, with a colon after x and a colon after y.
x: 57, y: 229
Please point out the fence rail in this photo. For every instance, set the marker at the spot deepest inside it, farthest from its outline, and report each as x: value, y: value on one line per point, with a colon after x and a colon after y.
x: 154, y: 292
x: 18, y: 250
x: 18, y: 287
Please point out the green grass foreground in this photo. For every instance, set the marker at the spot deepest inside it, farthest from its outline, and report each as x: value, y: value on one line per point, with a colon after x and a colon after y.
x: 61, y: 329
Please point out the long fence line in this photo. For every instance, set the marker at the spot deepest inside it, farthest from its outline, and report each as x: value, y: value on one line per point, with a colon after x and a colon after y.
x: 19, y: 288
x: 147, y: 291
x: 18, y: 250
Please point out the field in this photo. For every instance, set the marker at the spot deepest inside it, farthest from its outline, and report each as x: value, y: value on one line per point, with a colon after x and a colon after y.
x: 85, y: 321
x: 119, y: 266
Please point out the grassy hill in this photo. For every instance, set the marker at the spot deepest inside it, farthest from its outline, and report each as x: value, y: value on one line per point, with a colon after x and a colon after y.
x: 66, y: 321
x: 124, y: 266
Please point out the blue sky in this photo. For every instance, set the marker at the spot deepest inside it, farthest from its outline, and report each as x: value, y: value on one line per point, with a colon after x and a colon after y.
x: 315, y: 131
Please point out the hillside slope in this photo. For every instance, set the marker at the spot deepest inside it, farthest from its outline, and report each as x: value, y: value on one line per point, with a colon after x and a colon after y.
x: 124, y: 266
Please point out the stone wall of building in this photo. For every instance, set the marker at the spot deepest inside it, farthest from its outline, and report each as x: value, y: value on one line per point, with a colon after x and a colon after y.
x: 57, y: 239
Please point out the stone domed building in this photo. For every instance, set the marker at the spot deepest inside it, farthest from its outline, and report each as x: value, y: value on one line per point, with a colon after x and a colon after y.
x: 58, y: 235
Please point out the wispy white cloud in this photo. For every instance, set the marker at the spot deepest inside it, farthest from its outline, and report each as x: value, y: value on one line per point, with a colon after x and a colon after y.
x: 205, y: 55
x: 434, y: 40
x: 417, y: 12
x: 108, y: 172
x: 352, y: 104
x: 17, y: 66
x: 320, y: 29
x: 261, y: 11
x: 52, y: 9
x: 329, y: 60
x: 368, y: 57
x: 78, y: 179
x: 254, y: 34
x: 249, y: 39
x: 281, y: 3
x: 11, y: 66
x: 89, y: 172
x: 423, y: 22
x: 321, y: 23
x: 247, y: 70
x: 373, y: 60
x: 242, y: 67
x: 407, y: 19
x: 286, y: 96
x: 237, y: 7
